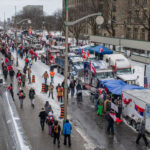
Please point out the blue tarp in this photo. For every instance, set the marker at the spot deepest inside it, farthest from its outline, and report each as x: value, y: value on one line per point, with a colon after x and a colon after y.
x: 117, y: 86
x: 100, y: 50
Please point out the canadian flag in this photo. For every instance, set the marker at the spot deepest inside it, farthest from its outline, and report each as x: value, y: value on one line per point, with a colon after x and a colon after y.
x: 85, y: 55
x: 93, y: 68
x: 113, y: 116
x: 82, y: 51
x: 101, y: 50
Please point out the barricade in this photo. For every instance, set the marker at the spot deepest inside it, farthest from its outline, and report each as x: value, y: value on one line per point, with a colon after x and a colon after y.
x: 43, y: 88
x: 33, y: 78
x: 62, y: 111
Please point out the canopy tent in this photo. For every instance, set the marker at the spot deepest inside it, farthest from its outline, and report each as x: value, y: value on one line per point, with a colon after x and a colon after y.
x: 100, y: 50
x: 117, y: 86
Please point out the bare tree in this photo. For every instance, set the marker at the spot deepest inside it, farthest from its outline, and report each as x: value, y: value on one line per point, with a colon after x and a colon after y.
x: 141, y: 16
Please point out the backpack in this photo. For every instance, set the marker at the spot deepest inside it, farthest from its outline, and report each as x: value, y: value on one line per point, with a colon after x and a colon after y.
x: 56, y: 129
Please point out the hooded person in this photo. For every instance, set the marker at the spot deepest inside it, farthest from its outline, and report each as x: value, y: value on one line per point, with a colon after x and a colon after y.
x: 48, y: 107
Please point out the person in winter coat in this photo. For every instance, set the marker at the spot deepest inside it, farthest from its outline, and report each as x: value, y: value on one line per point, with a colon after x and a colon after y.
x: 57, y: 130
x: 42, y: 116
x: 51, y: 88
x: 5, y: 72
x: 25, y: 69
x: 29, y: 74
x: 31, y: 96
x: 141, y: 133
x: 50, y: 121
x: 10, y: 88
x: 110, y: 126
x: 67, y: 132
x: 23, y: 79
x: 45, y: 76
x: 21, y: 96
x: 26, y: 61
x: 48, y: 107
x: 60, y: 92
x: 79, y: 91
x: 11, y: 73
x: 72, y: 88
x: 52, y: 74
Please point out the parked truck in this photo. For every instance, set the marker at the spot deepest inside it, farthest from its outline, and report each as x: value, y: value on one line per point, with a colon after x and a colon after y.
x: 99, y: 70
x: 136, y: 107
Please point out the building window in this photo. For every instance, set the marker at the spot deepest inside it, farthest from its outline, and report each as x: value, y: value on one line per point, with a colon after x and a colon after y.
x: 135, y: 33
x: 144, y: 15
x: 130, y: 3
x: 136, y: 2
x: 129, y: 19
x: 128, y: 35
x: 144, y: 2
x: 114, y: 8
x: 143, y: 34
x: 136, y: 18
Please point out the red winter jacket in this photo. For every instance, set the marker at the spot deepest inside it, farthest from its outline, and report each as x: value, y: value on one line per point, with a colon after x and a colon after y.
x: 6, y: 60
x: 9, y: 68
x: 26, y: 60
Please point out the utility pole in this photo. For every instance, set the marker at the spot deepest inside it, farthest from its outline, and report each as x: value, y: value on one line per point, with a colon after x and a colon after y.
x: 16, y: 37
x: 66, y: 66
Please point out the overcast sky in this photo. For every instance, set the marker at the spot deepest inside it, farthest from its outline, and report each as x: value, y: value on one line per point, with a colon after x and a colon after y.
x: 8, y: 6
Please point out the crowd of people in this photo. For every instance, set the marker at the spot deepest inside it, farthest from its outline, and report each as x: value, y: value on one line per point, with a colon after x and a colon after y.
x: 102, y: 99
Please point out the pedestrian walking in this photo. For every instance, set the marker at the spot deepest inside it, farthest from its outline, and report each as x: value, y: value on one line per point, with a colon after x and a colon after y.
x: 42, y: 116
x: 141, y: 134
x: 60, y: 92
x: 52, y: 74
x: 26, y: 61
x: 21, y: 96
x: 31, y: 96
x: 10, y: 88
x: 72, y: 88
x: 110, y: 127
x: 48, y: 107
x: 67, y: 132
x: 23, y: 79
x: 45, y: 76
x: 29, y: 74
x: 57, y: 130
x: 50, y: 121
x: 5, y: 72
x: 51, y: 88
x: 79, y: 92
x: 11, y: 74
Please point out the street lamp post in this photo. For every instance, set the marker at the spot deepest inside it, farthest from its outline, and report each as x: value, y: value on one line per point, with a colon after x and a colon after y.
x: 99, y: 20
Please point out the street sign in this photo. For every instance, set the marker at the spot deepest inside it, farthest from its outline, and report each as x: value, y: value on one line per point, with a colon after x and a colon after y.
x: 100, y: 20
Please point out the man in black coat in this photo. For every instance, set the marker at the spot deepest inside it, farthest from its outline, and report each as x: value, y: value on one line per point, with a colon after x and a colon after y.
x: 42, y: 116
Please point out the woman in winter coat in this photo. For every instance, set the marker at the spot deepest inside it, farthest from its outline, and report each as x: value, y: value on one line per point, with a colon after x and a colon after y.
x: 31, y: 96
x: 60, y: 92
x: 50, y: 121
x: 50, y: 89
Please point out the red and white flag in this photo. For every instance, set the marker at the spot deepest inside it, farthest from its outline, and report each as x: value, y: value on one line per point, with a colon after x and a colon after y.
x: 113, y: 116
x: 101, y: 50
x: 115, y: 69
x: 93, y: 68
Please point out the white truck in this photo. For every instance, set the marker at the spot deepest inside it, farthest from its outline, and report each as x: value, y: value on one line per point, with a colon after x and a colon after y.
x: 136, y: 106
x: 122, y: 64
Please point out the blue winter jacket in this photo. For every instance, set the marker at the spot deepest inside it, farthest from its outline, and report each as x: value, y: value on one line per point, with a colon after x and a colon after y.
x: 67, y: 128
